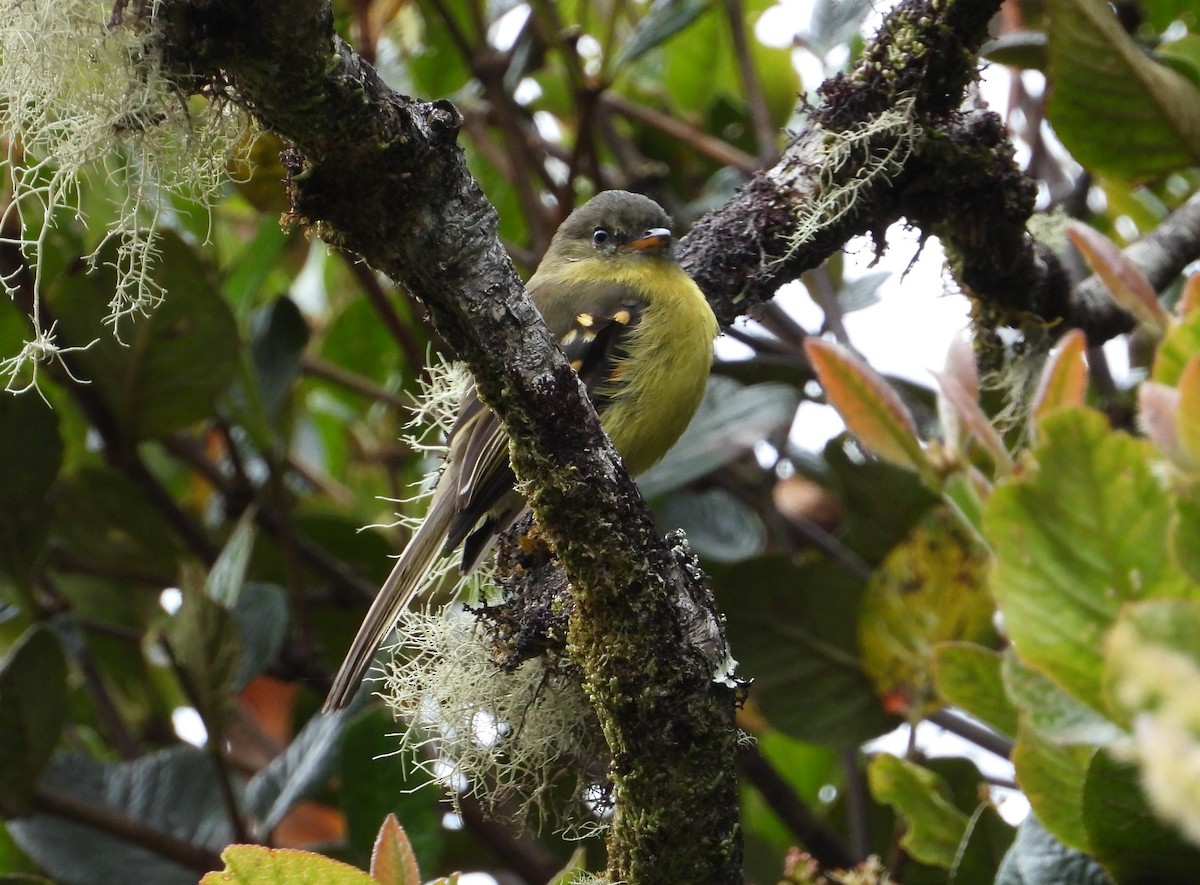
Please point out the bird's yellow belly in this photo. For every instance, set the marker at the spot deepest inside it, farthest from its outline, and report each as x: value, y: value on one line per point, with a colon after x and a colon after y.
x: 663, y: 382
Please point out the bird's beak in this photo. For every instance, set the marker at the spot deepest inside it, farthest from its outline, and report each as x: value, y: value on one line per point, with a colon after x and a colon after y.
x: 654, y: 240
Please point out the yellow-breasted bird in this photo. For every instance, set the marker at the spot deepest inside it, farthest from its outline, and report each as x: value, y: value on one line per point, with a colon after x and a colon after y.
x: 639, y: 333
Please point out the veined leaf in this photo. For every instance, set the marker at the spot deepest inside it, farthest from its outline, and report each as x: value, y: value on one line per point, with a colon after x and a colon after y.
x: 936, y: 828
x: 931, y: 588
x: 256, y: 865
x: 1117, y: 110
x: 1074, y: 540
x: 872, y: 411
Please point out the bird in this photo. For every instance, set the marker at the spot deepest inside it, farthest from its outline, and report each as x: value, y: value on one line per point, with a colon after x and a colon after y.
x: 637, y: 330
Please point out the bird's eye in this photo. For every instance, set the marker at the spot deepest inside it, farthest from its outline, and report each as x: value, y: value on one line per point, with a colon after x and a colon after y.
x: 599, y: 236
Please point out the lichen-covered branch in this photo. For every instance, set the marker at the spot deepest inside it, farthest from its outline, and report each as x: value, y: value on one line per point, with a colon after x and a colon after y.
x: 382, y: 175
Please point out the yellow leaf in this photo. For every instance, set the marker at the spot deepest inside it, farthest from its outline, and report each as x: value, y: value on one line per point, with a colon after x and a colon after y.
x: 931, y: 588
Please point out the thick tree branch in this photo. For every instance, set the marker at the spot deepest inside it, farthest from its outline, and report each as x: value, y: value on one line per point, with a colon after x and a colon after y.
x: 382, y: 176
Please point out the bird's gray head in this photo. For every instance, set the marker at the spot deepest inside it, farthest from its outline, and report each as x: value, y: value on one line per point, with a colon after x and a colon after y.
x: 614, y: 222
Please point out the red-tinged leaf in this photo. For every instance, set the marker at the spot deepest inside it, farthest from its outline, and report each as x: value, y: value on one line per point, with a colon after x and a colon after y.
x: 1128, y: 285
x: 1189, y: 300
x: 973, y: 420
x: 393, y: 861
x: 1188, y: 421
x: 1158, y: 415
x: 1064, y: 378
x: 255, y: 865
x: 871, y: 409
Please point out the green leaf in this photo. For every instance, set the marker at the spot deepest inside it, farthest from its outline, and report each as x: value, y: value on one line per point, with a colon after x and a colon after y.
x: 1184, y: 539
x: 258, y: 259
x: 569, y: 874
x: 881, y: 502
x: 205, y: 641
x: 173, y: 363
x: 1019, y: 49
x: 261, y: 615
x: 256, y: 865
x: 134, y: 535
x: 376, y: 782
x: 224, y: 582
x: 1073, y: 540
x: 1182, y: 55
x: 860, y: 293
x: 732, y: 417
x: 935, y: 828
x: 1051, y: 710
x: 794, y: 628
x: 1052, y: 775
x: 1162, y: 13
x: 1037, y: 858
x: 664, y: 19
x: 33, y: 710
x: 1117, y: 110
x: 835, y: 22
x: 1125, y: 836
x: 175, y: 791
x: 300, y: 770
x: 718, y: 525
x: 31, y: 447
x: 1181, y: 343
x: 968, y: 676
x: 278, y: 336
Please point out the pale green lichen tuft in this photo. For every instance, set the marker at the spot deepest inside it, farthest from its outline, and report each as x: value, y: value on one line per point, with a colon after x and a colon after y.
x: 875, y: 150
x: 85, y: 102
x: 514, y: 741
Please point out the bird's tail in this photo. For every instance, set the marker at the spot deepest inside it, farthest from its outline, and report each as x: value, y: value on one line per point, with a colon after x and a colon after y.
x: 394, y: 597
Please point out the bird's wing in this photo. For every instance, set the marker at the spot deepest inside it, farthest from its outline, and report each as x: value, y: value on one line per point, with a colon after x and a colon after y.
x: 596, y: 343
x: 474, y: 500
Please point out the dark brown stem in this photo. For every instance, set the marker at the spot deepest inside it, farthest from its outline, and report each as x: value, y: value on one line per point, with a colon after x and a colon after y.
x: 334, y: 571
x: 697, y: 139
x: 822, y: 842
x: 214, y: 746
x: 414, y: 353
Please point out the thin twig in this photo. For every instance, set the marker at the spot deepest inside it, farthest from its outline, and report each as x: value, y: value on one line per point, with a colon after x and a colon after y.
x: 414, y: 353
x: 980, y: 735
x: 765, y: 135
x: 214, y: 746
x: 858, y: 809
x: 695, y: 138
x: 822, y: 842
x: 319, y: 368
x: 99, y: 817
x: 332, y: 570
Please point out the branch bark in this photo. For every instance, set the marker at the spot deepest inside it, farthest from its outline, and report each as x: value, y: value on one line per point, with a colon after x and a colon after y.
x: 381, y: 175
